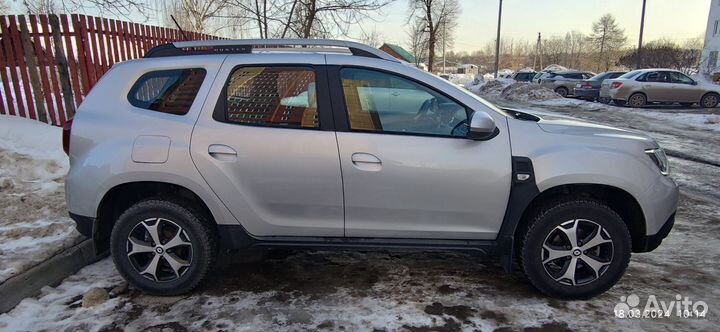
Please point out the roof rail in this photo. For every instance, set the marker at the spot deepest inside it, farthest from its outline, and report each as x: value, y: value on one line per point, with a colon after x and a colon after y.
x: 247, y: 46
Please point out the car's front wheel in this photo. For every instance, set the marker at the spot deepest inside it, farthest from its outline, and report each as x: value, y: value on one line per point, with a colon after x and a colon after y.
x: 162, y: 247
x: 575, y: 249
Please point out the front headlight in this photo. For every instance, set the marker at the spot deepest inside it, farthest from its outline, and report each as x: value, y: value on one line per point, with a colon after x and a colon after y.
x: 658, y: 156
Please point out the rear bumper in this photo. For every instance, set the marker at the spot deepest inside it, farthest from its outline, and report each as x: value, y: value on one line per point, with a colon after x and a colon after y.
x: 586, y: 93
x: 651, y: 242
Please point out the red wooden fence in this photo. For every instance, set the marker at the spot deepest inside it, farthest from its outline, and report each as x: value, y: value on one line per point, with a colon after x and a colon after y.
x: 48, y: 63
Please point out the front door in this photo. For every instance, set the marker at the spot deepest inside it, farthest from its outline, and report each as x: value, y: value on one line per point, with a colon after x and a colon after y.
x: 266, y: 151
x: 684, y: 88
x: 408, y: 170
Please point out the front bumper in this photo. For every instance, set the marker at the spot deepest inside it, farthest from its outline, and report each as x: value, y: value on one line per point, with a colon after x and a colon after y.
x: 651, y: 242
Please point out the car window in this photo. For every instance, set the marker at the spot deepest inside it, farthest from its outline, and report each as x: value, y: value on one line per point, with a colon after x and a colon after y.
x: 631, y: 74
x: 657, y: 76
x: 382, y: 102
x: 587, y: 75
x: 680, y: 78
x: 167, y: 91
x: 616, y: 75
x: 272, y: 96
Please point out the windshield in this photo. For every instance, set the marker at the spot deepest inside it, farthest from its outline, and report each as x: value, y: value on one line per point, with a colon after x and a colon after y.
x: 631, y: 74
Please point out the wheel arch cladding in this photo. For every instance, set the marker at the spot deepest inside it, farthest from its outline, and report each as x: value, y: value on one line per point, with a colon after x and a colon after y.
x: 619, y: 200
x: 122, y: 196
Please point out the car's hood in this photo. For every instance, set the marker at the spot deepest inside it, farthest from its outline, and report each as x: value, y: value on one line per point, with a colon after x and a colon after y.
x: 559, y: 124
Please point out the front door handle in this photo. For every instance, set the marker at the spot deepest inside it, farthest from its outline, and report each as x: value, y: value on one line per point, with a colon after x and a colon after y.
x: 366, y: 162
x: 222, y: 152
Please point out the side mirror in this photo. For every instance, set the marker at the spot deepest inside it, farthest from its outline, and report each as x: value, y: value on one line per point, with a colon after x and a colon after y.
x: 694, y: 82
x: 482, y: 126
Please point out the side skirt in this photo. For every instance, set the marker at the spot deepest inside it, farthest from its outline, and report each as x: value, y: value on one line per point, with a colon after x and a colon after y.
x: 235, y: 237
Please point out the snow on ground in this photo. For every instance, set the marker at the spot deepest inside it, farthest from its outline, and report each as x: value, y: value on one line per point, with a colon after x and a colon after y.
x: 33, y: 221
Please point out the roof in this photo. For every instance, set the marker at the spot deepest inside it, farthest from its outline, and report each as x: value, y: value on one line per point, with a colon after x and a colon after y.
x: 401, y: 52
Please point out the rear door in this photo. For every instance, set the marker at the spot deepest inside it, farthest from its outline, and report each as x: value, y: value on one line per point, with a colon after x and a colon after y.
x: 409, y: 172
x: 265, y: 144
x: 656, y: 86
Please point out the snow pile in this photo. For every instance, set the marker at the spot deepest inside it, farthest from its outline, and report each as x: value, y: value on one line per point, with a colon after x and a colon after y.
x: 490, y: 87
x: 33, y: 219
x: 461, y: 79
x: 523, y: 91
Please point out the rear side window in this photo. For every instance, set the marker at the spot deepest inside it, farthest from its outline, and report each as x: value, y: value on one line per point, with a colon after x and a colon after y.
x: 167, y: 91
x: 272, y: 96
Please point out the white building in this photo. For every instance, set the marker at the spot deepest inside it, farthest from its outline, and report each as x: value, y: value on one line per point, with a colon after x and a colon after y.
x: 710, y: 65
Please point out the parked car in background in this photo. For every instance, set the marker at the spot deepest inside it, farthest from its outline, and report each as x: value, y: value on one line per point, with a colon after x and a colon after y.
x: 563, y: 82
x: 641, y: 87
x: 590, y: 89
x: 524, y: 76
x: 540, y: 75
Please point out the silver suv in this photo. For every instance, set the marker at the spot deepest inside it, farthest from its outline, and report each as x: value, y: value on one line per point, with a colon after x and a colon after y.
x: 207, y: 146
x: 563, y: 82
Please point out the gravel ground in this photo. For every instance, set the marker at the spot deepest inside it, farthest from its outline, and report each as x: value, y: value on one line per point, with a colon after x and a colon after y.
x: 423, y: 291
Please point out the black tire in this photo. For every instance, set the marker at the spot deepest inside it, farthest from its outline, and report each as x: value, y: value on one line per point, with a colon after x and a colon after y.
x: 619, y: 102
x: 710, y: 100
x: 585, y: 283
x: 562, y: 91
x: 603, y: 100
x: 637, y: 99
x: 188, y: 225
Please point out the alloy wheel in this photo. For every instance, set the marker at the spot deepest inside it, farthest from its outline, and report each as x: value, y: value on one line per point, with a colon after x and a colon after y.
x: 577, y: 252
x: 159, y: 249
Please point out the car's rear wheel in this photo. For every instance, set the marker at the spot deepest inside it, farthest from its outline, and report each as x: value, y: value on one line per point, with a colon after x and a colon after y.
x: 710, y: 100
x: 637, y: 100
x: 575, y: 249
x: 604, y: 100
x: 562, y: 91
x: 619, y: 102
x: 162, y: 247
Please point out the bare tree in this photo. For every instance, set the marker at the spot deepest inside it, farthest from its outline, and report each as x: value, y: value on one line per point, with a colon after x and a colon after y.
x: 373, y: 38
x: 417, y: 40
x: 35, y: 7
x: 437, y: 16
x: 665, y: 54
x: 196, y: 13
x: 119, y: 8
x: 324, y: 18
x: 574, y: 44
x: 607, y: 38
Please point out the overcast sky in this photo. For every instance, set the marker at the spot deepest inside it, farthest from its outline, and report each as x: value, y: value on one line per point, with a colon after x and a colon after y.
x: 523, y: 19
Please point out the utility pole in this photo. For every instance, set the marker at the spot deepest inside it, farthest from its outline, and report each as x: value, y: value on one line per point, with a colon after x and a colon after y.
x: 537, y: 51
x: 497, y: 42
x: 642, y: 26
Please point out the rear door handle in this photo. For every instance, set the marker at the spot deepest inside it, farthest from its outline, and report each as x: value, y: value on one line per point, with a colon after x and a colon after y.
x: 366, y: 162
x: 222, y: 152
